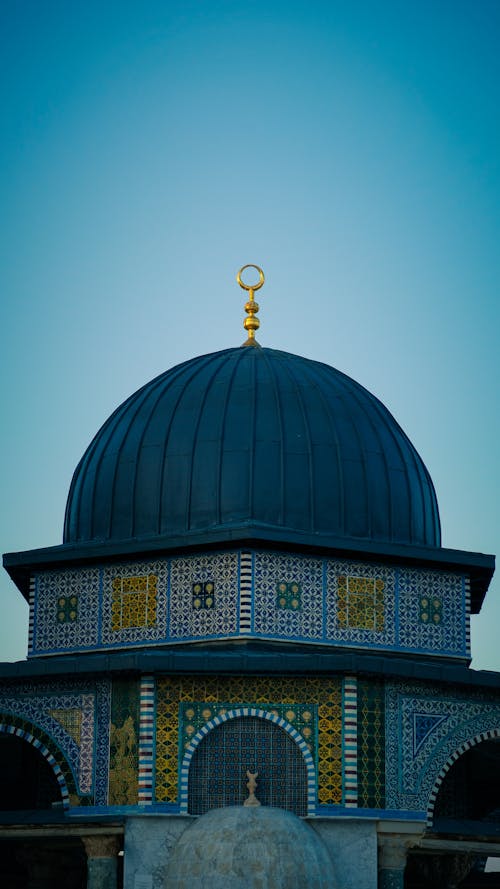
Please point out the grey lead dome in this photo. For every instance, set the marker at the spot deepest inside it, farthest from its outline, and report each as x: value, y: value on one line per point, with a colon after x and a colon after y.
x: 251, y: 438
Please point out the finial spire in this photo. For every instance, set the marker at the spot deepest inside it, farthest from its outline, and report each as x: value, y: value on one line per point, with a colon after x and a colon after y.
x: 252, y: 323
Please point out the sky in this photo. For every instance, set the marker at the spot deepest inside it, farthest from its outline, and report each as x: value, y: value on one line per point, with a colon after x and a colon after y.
x: 148, y: 150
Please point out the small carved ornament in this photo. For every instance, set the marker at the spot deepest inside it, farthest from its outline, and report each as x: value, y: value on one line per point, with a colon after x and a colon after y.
x: 251, y: 787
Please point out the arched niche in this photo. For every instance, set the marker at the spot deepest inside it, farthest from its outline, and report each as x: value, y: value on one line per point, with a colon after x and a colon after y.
x: 213, y: 773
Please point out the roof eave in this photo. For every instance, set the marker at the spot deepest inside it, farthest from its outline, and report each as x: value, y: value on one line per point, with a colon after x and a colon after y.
x: 255, y: 657
x: 479, y: 566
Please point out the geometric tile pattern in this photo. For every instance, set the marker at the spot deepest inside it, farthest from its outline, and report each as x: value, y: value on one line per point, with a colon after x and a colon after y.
x: 134, y: 598
x: 194, y: 715
x: 425, y: 727
x: 124, y: 753
x: 75, y: 717
x: 350, y: 741
x: 51, y: 633
x: 371, y: 744
x: 220, y: 617
x: 215, y: 764
x: 361, y: 603
x: 302, y: 617
x: 315, y: 705
x: 433, y: 605
x: 133, y: 602
x: 267, y: 594
x: 101, y: 752
x: 467, y: 613
x: 71, y: 721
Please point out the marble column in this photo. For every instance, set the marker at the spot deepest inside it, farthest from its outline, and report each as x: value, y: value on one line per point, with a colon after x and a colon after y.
x: 392, y: 853
x: 102, y: 862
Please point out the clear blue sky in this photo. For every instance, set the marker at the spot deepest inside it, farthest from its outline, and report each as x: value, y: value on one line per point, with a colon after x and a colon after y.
x: 150, y: 149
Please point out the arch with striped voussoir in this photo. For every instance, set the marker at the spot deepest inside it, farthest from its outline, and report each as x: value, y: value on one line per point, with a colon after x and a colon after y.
x: 238, y: 713
x: 488, y: 735
x: 16, y: 727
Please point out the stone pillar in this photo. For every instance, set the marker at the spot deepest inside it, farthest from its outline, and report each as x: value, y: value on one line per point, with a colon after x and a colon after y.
x: 392, y: 862
x: 102, y: 862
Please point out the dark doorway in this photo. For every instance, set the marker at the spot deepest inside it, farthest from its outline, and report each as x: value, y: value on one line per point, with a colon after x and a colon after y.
x: 44, y: 863
x: 471, y: 789
x: 26, y: 779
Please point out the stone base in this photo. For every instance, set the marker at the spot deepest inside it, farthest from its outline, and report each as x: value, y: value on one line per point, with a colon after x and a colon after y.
x: 353, y: 849
x: 149, y: 842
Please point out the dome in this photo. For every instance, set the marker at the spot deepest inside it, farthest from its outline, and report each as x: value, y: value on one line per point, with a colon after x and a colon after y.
x: 251, y: 438
x: 245, y: 847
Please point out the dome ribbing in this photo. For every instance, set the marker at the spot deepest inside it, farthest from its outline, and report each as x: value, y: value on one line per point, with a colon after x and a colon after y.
x: 252, y: 437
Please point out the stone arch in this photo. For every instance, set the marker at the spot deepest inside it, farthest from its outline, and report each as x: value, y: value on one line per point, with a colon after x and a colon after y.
x: 25, y: 735
x: 488, y: 735
x: 260, y: 714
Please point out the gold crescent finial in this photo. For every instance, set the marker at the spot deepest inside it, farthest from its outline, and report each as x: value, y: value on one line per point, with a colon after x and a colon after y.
x: 252, y: 323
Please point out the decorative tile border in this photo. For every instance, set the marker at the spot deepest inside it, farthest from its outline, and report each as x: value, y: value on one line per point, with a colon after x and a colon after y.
x: 245, y: 593
x: 31, y: 624
x: 350, y: 732
x: 146, y: 739
x: 467, y: 615
x: 410, y: 609
x: 52, y: 708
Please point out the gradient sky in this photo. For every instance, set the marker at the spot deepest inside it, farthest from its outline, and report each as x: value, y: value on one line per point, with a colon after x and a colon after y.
x: 148, y: 150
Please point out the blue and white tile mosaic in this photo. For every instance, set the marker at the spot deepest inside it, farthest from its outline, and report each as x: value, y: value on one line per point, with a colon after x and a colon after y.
x: 77, y: 718
x: 432, y: 605
x: 266, y: 594
x: 424, y: 727
x: 188, y: 622
x: 272, y: 570
x: 49, y: 632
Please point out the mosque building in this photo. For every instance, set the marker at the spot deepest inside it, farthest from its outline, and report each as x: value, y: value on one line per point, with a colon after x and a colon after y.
x: 248, y: 661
